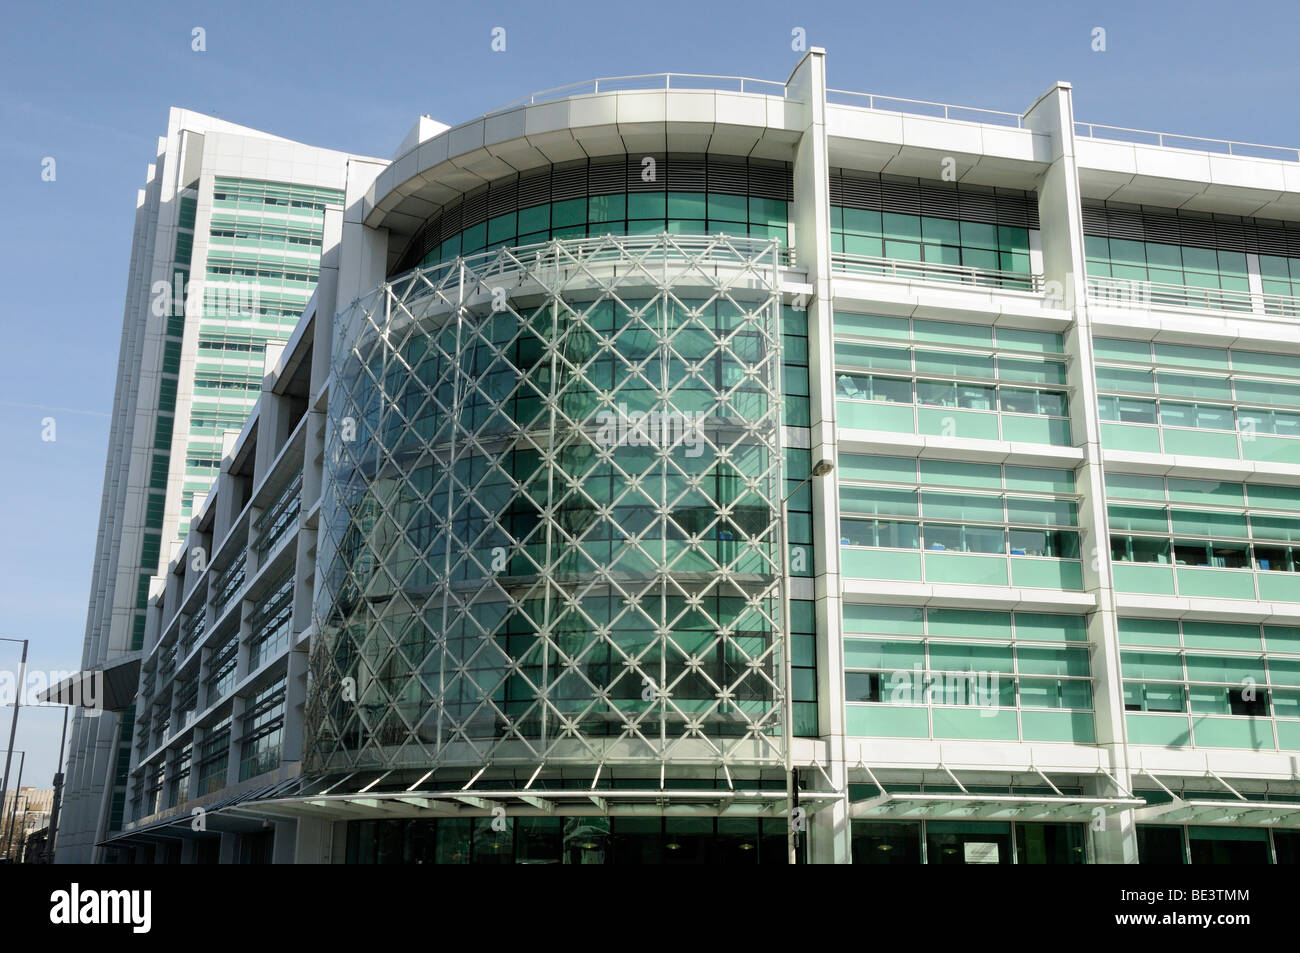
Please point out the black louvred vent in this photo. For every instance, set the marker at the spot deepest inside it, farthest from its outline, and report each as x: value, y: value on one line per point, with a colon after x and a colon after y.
x: 569, y: 181
x: 1201, y: 234
x: 474, y: 209
x: 1233, y: 236
x: 1094, y: 220
x: 1271, y: 240
x: 861, y: 192
x: 503, y: 197
x: 1017, y: 208
x: 1190, y: 228
x: 937, y: 201
x: 452, y: 221
x: 728, y: 175
x: 900, y: 196
x: 643, y: 175
x: 535, y: 188
x: 686, y: 173
x: 978, y: 206
x: 605, y: 176
x: 1126, y: 224
x: 1162, y: 228
x: 770, y: 180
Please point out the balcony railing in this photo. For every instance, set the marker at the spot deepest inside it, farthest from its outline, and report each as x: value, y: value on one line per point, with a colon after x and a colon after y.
x: 1133, y: 293
x: 936, y: 271
x: 652, y: 81
x: 279, y: 517
x: 191, y: 629
x: 920, y: 107
x: 228, y: 585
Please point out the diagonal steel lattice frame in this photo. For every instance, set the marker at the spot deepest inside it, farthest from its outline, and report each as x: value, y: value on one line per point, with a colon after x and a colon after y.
x: 445, y: 376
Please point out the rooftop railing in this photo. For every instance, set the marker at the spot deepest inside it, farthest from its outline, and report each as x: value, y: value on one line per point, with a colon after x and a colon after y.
x: 652, y: 81
x: 936, y: 271
x: 921, y: 107
x: 898, y: 104
x: 1253, y: 150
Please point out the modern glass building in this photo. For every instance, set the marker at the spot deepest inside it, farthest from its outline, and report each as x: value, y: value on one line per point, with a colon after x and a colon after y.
x: 655, y: 473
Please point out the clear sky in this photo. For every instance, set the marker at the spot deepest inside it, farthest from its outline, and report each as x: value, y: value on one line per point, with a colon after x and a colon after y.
x: 91, y: 88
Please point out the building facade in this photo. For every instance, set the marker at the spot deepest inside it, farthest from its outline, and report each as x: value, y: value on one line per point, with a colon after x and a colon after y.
x: 657, y: 472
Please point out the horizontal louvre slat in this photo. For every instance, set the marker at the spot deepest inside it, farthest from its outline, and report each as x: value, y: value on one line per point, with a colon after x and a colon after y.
x: 474, y: 209
x: 686, y: 173
x: 901, y: 196
x: 1094, y: 220
x: 1234, y: 237
x: 770, y: 180
x: 638, y: 170
x: 503, y: 197
x: 1161, y: 228
x: 1191, y: 232
x: 535, y: 188
x: 451, y: 222
x: 1273, y: 240
x: 606, y: 175
x: 1017, y: 208
x: 728, y: 175
x: 937, y: 201
x: 1125, y: 224
x: 569, y: 181
x: 861, y: 192
x: 978, y: 206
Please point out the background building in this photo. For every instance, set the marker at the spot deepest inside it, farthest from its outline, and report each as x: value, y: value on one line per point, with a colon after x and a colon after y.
x: 32, y: 815
x: 225, y: 255
x: 1044, y: 608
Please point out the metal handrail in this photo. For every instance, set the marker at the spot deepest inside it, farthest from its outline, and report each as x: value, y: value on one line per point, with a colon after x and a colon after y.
x: 649, y: 81
x: 1088, y: 130
x: 935, y: 110
x: 1136, y: 293
x: 900, y: 104
x: 508, y: 263
x: 936, y: 271
x: 567, y: 251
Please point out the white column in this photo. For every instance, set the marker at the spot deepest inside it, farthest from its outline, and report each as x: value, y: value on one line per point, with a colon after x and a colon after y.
x: 806, y: 89
x: 1061, y: 217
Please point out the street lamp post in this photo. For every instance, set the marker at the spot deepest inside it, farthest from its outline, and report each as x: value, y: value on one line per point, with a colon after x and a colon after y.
x: 820, y: 469
x: 53, y: 829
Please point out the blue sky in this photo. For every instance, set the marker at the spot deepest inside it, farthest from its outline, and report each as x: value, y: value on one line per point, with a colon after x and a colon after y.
x: 91, y: 89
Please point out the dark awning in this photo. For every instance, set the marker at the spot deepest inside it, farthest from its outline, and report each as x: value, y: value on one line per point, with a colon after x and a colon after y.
x: 111, y: 686
x: 218, y: 817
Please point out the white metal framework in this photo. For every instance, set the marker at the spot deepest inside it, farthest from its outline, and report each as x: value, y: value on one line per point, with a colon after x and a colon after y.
x: 550, y: 515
